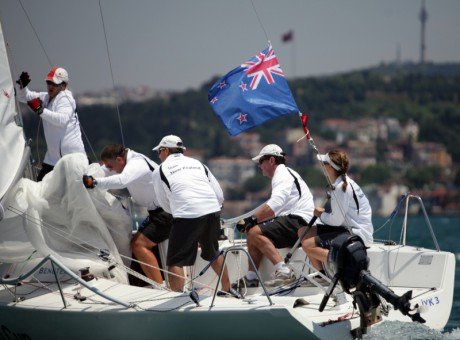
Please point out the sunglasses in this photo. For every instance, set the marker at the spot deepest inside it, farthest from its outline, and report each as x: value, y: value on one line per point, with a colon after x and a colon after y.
x: 263, y: 159
x: 50, y: 83
x: 160, y: 150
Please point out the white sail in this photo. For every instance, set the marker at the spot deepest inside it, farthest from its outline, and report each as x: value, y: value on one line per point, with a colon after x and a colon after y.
x: 12, y: 142
x: 57, y: 216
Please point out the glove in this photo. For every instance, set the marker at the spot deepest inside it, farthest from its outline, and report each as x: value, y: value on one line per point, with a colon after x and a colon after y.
x: 244, y: 225
x: 23, y: 80
x: 36, y: 105
x: 89, y: 181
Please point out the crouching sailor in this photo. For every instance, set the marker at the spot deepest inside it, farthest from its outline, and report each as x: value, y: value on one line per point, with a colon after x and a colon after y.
x: 134, y: 171
x: 286, y: 213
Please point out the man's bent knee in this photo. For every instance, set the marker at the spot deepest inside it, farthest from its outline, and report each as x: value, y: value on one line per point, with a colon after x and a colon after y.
x: 141, y: 241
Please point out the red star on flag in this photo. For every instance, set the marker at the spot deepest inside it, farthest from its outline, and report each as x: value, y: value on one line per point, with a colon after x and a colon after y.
x: 221, y: 85
x: 213, y: 100
x: 6, y: 94
x: 242, y: 118
x: 243, y: 86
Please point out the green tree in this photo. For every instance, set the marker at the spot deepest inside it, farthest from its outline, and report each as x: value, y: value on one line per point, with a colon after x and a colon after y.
x: 256, y: 183
x: 419, y: 177
x: 376, y: 174
x: 234, y: 194
x: 313, y: 177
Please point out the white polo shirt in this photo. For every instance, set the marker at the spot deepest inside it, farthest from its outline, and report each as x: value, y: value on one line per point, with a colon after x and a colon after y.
x: 286, y: 198
x: 60, y: 123
x: 137, y: 177
x: 193, y: 190
x: 360, y: 221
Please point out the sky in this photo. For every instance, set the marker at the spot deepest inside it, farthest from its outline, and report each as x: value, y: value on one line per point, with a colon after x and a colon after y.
x: 181, y: 44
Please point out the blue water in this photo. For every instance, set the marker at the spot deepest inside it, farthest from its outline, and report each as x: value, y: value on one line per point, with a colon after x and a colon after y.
x: 447, y: 231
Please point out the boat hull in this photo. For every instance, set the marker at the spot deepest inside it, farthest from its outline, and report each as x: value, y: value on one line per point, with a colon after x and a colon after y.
x: 25, y: 323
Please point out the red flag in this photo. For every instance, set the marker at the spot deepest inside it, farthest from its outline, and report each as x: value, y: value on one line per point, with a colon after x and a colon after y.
x: 304, y: 119
x: 288, y: 36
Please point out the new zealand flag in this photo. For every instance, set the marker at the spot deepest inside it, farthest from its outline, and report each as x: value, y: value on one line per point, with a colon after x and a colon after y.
x: 252, y: 94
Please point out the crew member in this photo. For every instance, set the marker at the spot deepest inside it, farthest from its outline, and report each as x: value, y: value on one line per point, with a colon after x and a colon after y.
x: 57, y: 109
x: 188, y: 190
x: 350, y: 210
x: 280, y: 221
x: 134, y: 171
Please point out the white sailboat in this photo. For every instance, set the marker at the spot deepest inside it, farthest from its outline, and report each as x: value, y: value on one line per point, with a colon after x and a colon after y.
x: 63, y: 274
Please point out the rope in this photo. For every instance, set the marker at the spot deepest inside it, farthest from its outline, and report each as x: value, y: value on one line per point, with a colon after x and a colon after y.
x: 51, y: 228
x: 111, y: 73
x: 128, y: 270
x: 260, y: 22
x: 50, y: 64
x: 88, y: 141
x: 35, y: 32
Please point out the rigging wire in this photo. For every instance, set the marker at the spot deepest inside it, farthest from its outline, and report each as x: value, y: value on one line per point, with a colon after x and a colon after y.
x: 73, y: 239
x: 111, y: 73
x: 50, y: 65
x: 35, y: 32
x: 260, y: 21
x: 311, y: 141
x: 89, y: 143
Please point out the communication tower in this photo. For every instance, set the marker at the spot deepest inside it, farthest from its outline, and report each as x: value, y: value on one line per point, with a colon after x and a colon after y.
x: 423, y: 16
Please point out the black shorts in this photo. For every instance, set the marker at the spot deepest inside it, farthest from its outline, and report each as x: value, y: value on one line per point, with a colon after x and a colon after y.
x: 158, y: 226
x: 282, y: 230
x: 46, y: 168
x: 185, y: 235
x: 326, y: 233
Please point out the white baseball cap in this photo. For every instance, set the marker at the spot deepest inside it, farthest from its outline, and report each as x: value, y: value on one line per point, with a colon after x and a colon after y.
x: 170, y: 141
x: 269, y: 150
x: 326, y: 159
x: 57, y: 75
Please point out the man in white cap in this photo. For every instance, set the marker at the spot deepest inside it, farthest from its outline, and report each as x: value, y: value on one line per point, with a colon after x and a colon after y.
x: 188, y: 190
x: 126, y: 168
x: 57, y: 108
x: 280, y: 221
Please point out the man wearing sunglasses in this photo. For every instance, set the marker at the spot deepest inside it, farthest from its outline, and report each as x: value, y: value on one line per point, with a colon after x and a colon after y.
x: 57, y: 109
x: 279, y: 222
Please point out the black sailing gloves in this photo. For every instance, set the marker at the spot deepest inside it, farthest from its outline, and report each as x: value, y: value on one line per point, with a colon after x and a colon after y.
x: 23, y: 80
x: 89, y: 181
x: 244, y: 225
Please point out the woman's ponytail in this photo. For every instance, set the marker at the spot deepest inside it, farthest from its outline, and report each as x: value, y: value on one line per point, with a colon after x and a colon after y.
x: 340, y: 158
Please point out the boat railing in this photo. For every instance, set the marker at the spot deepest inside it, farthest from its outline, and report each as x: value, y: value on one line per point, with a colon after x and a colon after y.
x: 238, y: 249
x: 427, y: 220
x: 55, y: 262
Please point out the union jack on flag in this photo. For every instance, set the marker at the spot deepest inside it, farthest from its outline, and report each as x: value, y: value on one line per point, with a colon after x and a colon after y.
x: 265, y: 65
x: 253, y: 93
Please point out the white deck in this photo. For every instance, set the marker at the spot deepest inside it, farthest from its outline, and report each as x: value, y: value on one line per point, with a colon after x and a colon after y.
x: 159, y: 311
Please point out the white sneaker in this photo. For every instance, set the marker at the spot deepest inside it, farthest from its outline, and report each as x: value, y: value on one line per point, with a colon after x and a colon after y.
x: 281, y: 279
